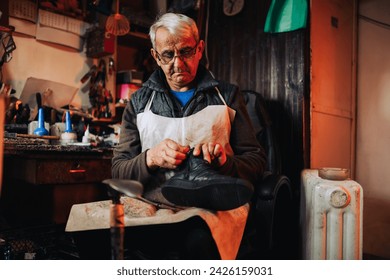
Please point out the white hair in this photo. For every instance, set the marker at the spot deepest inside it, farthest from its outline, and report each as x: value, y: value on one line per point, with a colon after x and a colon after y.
x: 176, y: 24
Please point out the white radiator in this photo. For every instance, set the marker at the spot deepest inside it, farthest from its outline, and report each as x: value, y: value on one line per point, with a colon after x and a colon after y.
x: 331, y: 215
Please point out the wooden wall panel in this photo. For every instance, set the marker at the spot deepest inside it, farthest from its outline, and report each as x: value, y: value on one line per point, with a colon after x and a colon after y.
x: 333, y: 89
x: 272, y: 64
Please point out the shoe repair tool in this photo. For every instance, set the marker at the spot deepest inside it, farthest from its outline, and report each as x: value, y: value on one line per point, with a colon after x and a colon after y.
x: 101, y: 76
x: 16, y: 135
x: 91, y: 73
x: 117, y: 219
x: 75, y: 112
x: 135, y: 189
x: 117, y: 24
x: 39, y: 100
x: 41, y: 130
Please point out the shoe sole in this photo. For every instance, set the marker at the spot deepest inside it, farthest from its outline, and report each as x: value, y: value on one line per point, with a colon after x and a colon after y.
x: 216, y: 195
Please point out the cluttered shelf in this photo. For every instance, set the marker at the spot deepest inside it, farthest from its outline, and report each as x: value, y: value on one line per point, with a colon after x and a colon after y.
x: 18, y: 144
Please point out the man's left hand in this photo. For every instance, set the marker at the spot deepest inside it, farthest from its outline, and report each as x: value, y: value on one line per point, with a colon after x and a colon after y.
x: 212, y: 152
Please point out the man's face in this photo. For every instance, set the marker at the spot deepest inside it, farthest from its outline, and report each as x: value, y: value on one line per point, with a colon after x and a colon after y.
x: 178, y: 57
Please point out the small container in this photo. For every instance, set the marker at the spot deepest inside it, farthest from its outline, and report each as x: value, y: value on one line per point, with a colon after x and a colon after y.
x: 41, y: 130
x: 86, y: 136
x: 68, y: 136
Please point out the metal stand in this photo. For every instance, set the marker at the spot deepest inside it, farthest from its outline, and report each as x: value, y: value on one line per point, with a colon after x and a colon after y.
x: 117, y: 225
x: 132, y: 189
x: 117, y: 187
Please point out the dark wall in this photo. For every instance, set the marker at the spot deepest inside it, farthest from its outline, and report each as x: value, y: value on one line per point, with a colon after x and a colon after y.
x: 272, y: 64
x: 4, y: 10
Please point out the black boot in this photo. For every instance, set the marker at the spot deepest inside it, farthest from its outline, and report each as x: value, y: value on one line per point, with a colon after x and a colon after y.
x: 199, y: 185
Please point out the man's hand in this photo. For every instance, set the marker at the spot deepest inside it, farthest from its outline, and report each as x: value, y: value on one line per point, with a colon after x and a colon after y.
x: 167, y: 154
x: 212, y: 152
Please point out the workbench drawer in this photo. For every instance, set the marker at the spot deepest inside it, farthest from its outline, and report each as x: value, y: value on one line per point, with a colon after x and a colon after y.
x: 61, y: 171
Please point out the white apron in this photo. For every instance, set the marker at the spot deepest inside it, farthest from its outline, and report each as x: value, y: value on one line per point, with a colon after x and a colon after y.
x: 212, y: 124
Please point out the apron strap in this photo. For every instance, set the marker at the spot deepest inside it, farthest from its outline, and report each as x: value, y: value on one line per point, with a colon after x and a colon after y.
x: 149, y: 104
x: 220, y: 96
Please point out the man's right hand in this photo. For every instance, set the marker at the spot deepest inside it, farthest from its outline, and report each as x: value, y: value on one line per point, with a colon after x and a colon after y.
x: 167, y: 154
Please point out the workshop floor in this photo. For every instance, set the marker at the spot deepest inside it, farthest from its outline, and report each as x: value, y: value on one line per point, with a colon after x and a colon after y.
x: 50, y: 242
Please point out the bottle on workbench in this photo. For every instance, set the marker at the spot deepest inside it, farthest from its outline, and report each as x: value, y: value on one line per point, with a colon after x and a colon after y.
x: 68, y: 136
x: 41, y: 130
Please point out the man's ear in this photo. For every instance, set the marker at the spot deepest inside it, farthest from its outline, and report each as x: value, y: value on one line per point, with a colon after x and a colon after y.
x: 201, y: 46
x: 154, y: 55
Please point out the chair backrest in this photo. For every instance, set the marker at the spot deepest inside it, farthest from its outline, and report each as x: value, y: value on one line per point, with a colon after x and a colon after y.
x: 258, y: 113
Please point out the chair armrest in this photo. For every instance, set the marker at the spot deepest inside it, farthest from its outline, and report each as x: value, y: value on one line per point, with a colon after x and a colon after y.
x: 271, y: 214
x: 269, y: 186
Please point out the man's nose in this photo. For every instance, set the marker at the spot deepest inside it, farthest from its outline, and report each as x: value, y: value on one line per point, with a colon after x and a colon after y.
x: 177, y: 59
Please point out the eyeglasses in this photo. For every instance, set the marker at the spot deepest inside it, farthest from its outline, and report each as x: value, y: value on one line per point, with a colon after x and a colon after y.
x: 169, y: 56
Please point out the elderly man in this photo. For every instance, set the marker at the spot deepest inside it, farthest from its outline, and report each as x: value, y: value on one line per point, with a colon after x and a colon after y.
x: 184, y: 134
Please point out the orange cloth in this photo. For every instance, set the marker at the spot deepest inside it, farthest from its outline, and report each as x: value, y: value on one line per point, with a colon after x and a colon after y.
x: 227, y: 227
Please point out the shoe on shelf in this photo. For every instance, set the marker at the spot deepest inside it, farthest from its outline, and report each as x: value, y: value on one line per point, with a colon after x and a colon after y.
x: 197, y: 184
